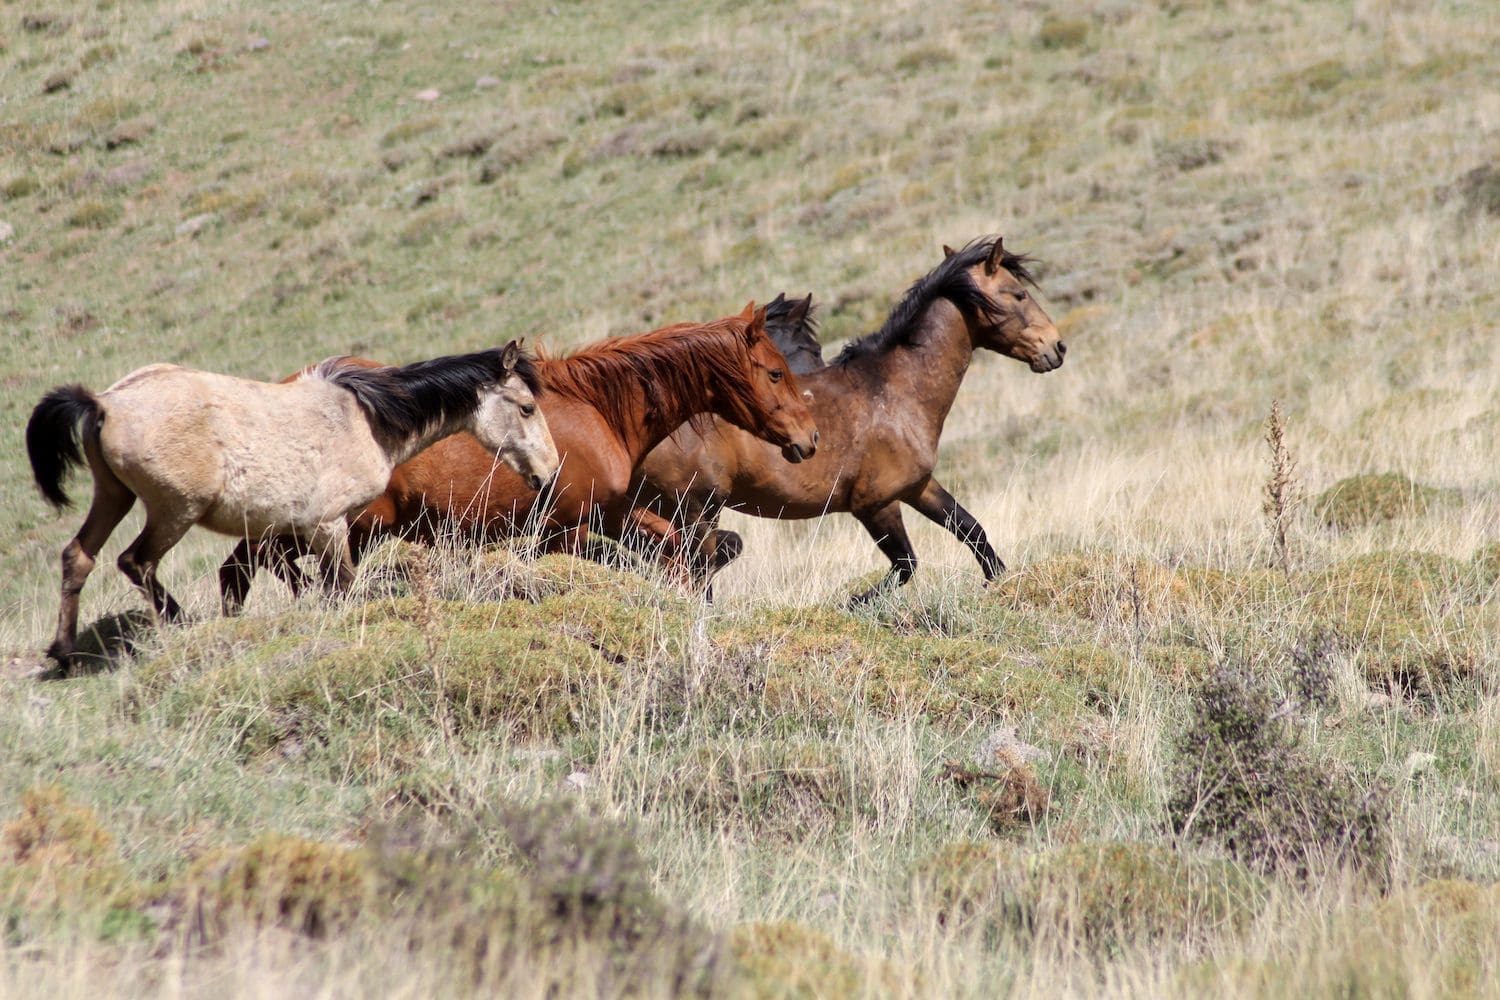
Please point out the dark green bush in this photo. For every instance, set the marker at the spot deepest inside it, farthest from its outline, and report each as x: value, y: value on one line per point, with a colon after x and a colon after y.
x: 1243, y: 780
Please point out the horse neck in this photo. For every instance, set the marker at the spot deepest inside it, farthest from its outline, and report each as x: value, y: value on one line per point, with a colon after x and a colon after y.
x: 931, y: 367
x: 400, y: 450
x: 646, y: 417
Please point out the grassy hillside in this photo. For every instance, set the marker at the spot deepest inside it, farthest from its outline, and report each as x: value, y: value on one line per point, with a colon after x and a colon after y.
x: 1218, y: 730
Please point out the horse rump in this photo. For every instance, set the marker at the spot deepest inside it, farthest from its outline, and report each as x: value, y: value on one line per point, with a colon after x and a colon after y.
x: 54, y: 436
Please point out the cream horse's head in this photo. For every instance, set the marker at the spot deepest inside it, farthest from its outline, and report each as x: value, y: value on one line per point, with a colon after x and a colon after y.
x: 509, y: 423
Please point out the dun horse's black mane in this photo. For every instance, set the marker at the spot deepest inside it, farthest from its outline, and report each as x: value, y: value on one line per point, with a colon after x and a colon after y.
x: 949, y: 280
x: 407, y: 400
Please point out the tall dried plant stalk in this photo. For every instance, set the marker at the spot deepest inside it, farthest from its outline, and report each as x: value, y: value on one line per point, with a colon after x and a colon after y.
x: 1283, y: 490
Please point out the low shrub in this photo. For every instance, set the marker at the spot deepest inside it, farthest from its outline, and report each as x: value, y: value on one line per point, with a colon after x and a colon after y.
x: 1242, y: 780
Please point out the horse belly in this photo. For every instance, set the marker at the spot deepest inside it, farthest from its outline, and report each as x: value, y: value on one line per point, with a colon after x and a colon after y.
x: 261, y: 500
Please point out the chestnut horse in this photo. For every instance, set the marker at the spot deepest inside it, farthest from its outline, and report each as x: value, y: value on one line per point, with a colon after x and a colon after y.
x: 880, y: 406
x: 252, y: 458
x: 607, y: 405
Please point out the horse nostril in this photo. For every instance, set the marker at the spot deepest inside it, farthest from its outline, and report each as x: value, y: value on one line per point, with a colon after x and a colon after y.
x: 815, y: 439
x: 1061, y: 348
x: 536, y: 481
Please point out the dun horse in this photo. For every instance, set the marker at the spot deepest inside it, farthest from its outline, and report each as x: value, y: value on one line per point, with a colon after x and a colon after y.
x: 608, y: 405
x: 252, y: 458
x: 880, y: 406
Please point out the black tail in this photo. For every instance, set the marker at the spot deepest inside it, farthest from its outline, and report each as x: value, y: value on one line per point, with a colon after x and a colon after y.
x: 54, y: 436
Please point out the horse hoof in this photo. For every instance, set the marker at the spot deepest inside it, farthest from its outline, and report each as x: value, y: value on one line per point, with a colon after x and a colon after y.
x: 728, y: 546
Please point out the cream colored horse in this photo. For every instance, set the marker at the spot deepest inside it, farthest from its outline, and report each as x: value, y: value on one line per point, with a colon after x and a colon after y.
x: 253, y: 458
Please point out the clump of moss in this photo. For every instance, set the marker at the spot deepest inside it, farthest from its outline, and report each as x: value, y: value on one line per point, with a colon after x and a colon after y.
x: 1242, y: 780
x: 1417, y: 621
x: 1105, y: 894
x: 1133, y: 592
x: 1062, y: 33
x: 1373, y: 499
x: 94, y: 214
x: 59, y: 864
x: 409, y: 130
x: 306, y: 886
x: 429, y: 225
x: 52, y: 830
x: 786, y: 959
x: 236, y: 205
x: 20, y: 186
x: 824, y: 665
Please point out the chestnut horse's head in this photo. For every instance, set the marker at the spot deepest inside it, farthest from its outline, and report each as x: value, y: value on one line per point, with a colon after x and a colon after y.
x: 773, y: 408
x: 1010, y: 321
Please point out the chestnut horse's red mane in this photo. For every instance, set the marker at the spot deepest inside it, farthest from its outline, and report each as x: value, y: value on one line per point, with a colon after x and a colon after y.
x: 679, y: 368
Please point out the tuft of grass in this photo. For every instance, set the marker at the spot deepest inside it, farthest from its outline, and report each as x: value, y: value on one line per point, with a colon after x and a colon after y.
x: 1062, y: 33
x: 20, y: 186
x: 430, y: 225
x: 1100, y: 894
x: 94, y: 213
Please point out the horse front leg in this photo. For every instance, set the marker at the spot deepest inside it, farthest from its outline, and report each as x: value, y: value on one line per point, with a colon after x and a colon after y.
x: 278, y: 553
x: 938, y: 506
x: 330, y: 540
x: 885, y: 526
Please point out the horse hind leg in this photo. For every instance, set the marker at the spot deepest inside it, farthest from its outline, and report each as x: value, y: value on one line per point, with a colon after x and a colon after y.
x: 112, y: 501
x: 139, y: 560
x: 885, y: 526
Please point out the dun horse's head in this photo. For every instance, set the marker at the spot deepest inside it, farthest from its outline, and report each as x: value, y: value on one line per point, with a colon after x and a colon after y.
x: 779, y: 412
x: 1014, y: 323
x: 509, y: 422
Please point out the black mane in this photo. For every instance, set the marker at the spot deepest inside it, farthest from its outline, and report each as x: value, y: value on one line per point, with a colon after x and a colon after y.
x: 401, y: 402
x: 949, y: 280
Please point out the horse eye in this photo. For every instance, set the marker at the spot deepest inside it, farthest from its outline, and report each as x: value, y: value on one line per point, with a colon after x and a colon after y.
x: 1021, y: 295
x: 528, y: 410
x: 775, y: 374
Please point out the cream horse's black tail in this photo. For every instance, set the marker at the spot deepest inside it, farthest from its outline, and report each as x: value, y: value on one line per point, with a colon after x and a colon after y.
x: 54, y: 436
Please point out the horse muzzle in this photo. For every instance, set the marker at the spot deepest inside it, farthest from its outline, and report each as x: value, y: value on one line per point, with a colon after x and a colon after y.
x: 795, y: 452
x: 1048, y: 361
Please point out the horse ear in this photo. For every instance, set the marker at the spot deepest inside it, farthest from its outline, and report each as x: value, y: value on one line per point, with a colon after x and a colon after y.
x: 755, y: 324
x: 509, y: 355
x: 778, y: 300
x: 799, y: 311
x: 948, y: 251
x: 997, y: 255
x: 749, y: 311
